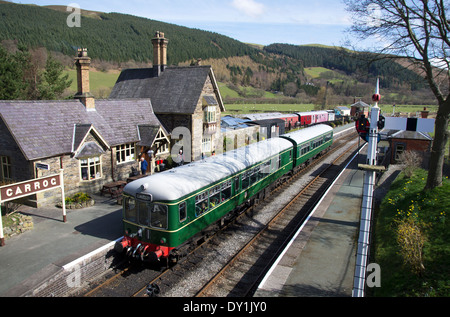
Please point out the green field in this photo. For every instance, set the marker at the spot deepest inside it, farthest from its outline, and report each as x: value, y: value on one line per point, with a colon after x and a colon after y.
x: 101, y: 82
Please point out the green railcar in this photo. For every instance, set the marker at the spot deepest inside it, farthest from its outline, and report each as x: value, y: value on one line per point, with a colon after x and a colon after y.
x: 164, y: 211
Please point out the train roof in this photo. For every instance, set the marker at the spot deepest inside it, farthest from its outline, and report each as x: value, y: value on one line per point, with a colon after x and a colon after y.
x: 311, y: 113
x: 262, y: 116
x: 304, y: 135
x: 182, y: 181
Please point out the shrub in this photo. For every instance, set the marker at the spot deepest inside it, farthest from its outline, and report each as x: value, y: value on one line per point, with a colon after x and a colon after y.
x: 411, y: 239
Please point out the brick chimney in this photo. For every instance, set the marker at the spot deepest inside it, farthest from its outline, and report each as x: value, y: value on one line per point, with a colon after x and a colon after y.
x: 159, y: 53
x: 82, y: 61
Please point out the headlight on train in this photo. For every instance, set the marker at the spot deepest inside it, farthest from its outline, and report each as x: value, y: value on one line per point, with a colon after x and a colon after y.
x: 163, y: 240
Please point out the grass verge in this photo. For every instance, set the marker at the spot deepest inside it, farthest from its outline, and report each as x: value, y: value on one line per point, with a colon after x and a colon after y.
x: 407, y: 202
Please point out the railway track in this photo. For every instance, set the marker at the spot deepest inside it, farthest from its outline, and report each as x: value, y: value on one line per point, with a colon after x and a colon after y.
x: 186, y: 279
x: 242, y: 274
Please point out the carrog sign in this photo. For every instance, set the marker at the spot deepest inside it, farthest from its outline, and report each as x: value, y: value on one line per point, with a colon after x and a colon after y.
x: 19, y: 190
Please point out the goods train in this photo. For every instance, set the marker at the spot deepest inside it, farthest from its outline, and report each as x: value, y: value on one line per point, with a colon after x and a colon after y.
x: 297, y: 119
x: 165, y: 212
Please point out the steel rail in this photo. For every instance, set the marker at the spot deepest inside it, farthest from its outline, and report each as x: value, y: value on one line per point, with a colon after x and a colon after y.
x: 267, y: 227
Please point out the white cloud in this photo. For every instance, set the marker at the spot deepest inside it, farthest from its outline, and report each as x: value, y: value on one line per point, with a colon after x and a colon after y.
x: 249, y: 7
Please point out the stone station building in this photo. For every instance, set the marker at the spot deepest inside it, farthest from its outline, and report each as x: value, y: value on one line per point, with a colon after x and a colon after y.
x: 94, y: 141
x: 182, y: 97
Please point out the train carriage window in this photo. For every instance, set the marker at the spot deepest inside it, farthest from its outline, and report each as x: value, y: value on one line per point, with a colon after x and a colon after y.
x: 226, y: 190
x: 275, y: 164
x: 130, y: 209
x: 245, y: 180
x: 265, y: 168
x: 201, y: 203
x: 183, y: 213
x: 215, y: 200
x: 236, y: 185
x: 254, y: 176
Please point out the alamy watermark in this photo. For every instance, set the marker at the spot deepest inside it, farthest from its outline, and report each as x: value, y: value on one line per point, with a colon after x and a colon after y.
x: 374, y: 15
x: 74, y: 18
x: 373, y: 275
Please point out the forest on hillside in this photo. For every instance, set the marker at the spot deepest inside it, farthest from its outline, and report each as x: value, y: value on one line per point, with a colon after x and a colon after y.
x: 111, y: 36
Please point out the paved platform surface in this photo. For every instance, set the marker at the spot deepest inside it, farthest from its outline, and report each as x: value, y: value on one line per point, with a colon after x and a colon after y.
x: 321, y: 260
x: 34, y: 256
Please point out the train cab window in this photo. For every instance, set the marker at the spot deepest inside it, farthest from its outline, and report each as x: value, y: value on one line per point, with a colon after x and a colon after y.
x: 130, y: 209
x: 183, y: 213
x: 144, y: 216
x: 201, y: 203
x: 158, y: 216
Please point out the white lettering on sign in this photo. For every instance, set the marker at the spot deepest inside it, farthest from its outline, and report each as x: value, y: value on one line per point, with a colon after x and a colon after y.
x: 19, y: 190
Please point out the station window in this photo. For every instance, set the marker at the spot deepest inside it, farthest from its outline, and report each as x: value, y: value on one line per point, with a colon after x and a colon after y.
x: 91, y: 168
x: 399, y: 149
x: 5, y: 170
x: 125, y: 153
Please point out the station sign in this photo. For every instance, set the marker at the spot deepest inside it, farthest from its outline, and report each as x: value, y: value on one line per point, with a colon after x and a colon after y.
x: 23, y: 189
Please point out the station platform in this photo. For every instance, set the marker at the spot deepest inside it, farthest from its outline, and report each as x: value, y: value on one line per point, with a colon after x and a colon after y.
x: 320, y: 262
x: 29, y: 259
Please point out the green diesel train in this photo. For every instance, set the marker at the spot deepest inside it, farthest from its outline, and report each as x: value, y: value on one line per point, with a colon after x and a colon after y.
x: 165, y: 212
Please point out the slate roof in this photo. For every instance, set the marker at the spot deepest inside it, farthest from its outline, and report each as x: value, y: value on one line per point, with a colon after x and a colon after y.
x: 49, y: 128
x: 360, y: 104
x: 176, y: 90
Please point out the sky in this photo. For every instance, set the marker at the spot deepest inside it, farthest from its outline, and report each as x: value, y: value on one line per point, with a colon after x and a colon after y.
x: 251, y: 21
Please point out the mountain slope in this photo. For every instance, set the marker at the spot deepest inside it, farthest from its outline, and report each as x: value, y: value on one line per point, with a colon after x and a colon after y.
x: 111, y: 36
x: 119, y: 40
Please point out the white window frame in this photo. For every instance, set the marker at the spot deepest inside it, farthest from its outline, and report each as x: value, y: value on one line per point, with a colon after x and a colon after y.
x: 161, y: 138
x: 206, y: 144
x: 123, y: 150
x: 96, y: 163
x: 210, y: 114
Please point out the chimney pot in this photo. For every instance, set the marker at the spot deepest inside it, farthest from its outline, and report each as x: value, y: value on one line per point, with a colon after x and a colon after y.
x: 159, y: 53
x: 82, y: 62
